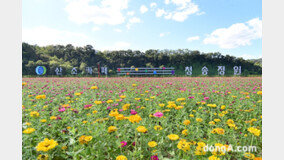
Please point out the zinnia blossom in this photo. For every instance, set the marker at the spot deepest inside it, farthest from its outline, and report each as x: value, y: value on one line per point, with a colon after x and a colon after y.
x: 123, y: 143
x: 121, y: 157
x: 111, y: 129
x: 135, y: 118
x: 154, y: 157
x: 46, y: 145
x: 141, y: 129
x: 158, y: 114
x: 85, y: 139
x: 152, y: 144
x: 173, y: 137
x: 29, y: 130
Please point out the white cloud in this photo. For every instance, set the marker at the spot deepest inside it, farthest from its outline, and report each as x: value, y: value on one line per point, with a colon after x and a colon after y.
x: 103, y: 12
x: 239, y: 34
x: 43, y: 36
x: 133, y: 21
x: 200, y: 13
x: 130, y: 13
x: 143, y: 9
x: 117, y: 30
x: 183, y: 9
x: 164, y: 34
x: 160, y: 12
x: 190, y: 39
x: 153, y: 5
x: 96, y: 29
x: 167, y: 1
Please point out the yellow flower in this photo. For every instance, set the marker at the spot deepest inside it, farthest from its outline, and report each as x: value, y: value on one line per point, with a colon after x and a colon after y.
x: 122, y: 96
x: 180, y: 99
x: 161, y: 104
x: 212, y: 105
x: 29, y: 130
x: 186, y: 122
x: 119, y: 117
x: 85, y: 122
x: 134, y: 85
x: 183, y: 145
x: 213, y: 157
x: 137, y: 99
x: 94, y: 87
x: 98, y: 102
x: 152, y: 144
x: 259, y: 92
x: 28, y: 124
x: 53, y: 118
x: 121, y: 157
x: 158, y: 128
x: 254, y: 131
x: 141, y: 129
x: 212, y: 122
x: 109, y: 101
x: 126, y: 106
x: 41, y: 96
x: 191, y: 115
x: 94, y: 112
x: 46, y: 145
x: 249, y: 155
x: 113, y: 113
x: 220, y: 131
x: 223, y: 107
x: 34, y: 114
x: 199, y: 149
x: 42, y: 157
x: 173, y: 137
x: 64, y: 147
x: 85, y: 139
x: 43, y: 120
x: 185, y: 132
x: 78, y: 94
x: 179, y: 107
x: 217, y: 120
x: 111, y: 129
x: 199, y: 119
x: 231, y: 123
x: 24, y: 83
x: 134, y: 118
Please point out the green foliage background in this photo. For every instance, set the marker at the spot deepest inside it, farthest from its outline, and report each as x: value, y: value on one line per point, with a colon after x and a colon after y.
x: 68, y: 56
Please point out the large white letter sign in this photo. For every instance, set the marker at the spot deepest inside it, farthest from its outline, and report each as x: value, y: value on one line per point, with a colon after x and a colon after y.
x: 237, y: 70
x: 58, y: 71
x: 204, y: 70
x: 89, y: 70
x: 188, y: 71
x: 74, y: 71
x: 221, y: 70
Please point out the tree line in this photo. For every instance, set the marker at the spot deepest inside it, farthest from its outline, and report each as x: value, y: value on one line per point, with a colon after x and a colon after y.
x: 69, y: 56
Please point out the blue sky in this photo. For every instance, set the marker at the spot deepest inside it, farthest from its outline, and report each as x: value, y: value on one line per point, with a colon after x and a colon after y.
x: 231, y: 27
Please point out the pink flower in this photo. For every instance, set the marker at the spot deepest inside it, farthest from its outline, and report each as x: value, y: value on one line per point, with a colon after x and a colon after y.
x: 206, y: 98
x: 62, y: 109
x: 123, y: 143
x: 158, y: 114
x: 133, y: 112
x: 154, y: 157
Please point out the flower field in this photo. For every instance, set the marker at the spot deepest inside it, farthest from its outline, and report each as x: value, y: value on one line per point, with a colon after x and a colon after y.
x: 141, y: 118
